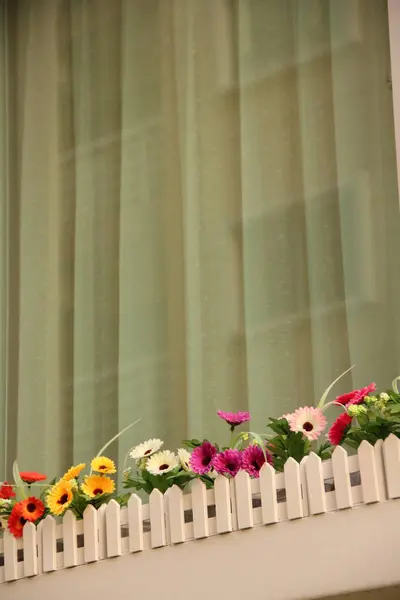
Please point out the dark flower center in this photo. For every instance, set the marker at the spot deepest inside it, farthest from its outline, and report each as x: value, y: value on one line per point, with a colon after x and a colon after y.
x: 98, y: 491
x: 31, y: 507
x: 308, y: 426
x: 256, y: 465
x: 22, y: 521
x: 230, y: 466
x: 163, y: 467
x: 63, y: 499
x: 205, y: 461
x: 102, y: 468
x: 147, y: 451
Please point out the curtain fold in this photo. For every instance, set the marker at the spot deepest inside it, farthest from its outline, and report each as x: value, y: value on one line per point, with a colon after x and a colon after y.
x: 199, y: 211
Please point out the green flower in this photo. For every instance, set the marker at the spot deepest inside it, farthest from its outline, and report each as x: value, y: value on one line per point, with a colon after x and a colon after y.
x: 355, y: 410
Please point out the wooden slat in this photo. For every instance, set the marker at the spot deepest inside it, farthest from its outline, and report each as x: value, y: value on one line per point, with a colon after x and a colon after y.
x: 303, y: 480
x: 244, y: 506
x: 222, y: 504
x: 174, y: 503
x: 113, y: 528
x: 30, y: 550
x: 391, y: 455
x: 10, y: 557
x: 102, y: 532
x: 315, y: 485
x: 156, y: 503
x: 199, y: 508
x: 380, y: 470
x: 70, y: 540
x: 341, y: 474
x: 49, y: 550
x: 135, y: 523
x: 293, y: 489
x: 369, y: 476
x: 90, y: 533
x: 269, y: 505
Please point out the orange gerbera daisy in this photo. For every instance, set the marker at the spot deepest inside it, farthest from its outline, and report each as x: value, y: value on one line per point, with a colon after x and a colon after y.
x: 32, y: 508
x: 16, y: 521
x: 32, y: 476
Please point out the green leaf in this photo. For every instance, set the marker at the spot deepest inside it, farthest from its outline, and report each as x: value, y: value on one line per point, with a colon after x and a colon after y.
x: 395, y: 386
x: 328, y: 389
x: 20, y: 489
x: 191, y: 443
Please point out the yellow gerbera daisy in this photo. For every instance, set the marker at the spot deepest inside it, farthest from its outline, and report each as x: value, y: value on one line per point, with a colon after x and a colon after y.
x: 96, y: 485
x: 73, y: 472
x: 102, y: 464
x: 59, y: 497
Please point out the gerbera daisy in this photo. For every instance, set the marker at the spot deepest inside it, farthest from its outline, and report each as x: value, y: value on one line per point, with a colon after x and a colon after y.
x: 73, y: 472
x: 6, y: 491
x: 356, y: 396
x: 339, y: 428
x: 234, y: 419
x: 253, y: 459
x: 201, y: 458
x: 184, y: 457
x: 60, y: 497
x: 32, y: 508
x: 16, y: 521
x: 162, y: 462
x: 228, y: 462
x: 97, y: 485
x: 32, y: 476
x: 146, y: 449
x: 310, y: 421
x: 102, y: 464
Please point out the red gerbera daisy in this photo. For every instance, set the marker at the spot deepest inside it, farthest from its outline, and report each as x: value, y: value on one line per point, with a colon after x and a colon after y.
x: 32, y: 508
x: 32, y: 476
x: 356, y: 396
x: 6, y: 491
x: 16, y: 521
x: 338, y: 429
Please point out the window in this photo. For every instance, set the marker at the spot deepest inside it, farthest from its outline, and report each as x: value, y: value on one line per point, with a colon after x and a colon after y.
x: 199, y: 210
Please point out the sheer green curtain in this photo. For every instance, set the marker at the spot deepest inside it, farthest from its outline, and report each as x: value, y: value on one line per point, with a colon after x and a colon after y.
x: 200, y: 211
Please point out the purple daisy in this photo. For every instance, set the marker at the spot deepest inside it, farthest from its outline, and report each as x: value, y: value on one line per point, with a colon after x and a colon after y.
x: 253, y: 459
x: 228, y: 462
x: 202, y: 457
x: 234, y: 419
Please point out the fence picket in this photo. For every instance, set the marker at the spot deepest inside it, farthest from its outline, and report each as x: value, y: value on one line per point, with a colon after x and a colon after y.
x: 222, y: 504
x: 10, y: 556
x: 70, y: 540
x: 380, y: 471
x: 391, y: 454
x: 90, y: 534
x: 102, y: 533
x: 244, y: 505
x: 113, y: 529
x: 303, y: 480
x: 199, y: 508
x: 369, y: 477
x: 174, y: 502
x: 39, y: 541
x: 156, y: 507
x: 30, y: 553
x: 293, y: 489
x: 49, y: 550
x: 135, y: 523
x: 269, y: 505
x: 341, y: 476
x: 315, y: 484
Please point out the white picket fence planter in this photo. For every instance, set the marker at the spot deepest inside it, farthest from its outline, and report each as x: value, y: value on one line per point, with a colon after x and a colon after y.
x: 311, y: 488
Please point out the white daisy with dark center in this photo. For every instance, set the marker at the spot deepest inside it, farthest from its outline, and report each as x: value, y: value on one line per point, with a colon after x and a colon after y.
x: 162, y: 462
x: 146, y: 449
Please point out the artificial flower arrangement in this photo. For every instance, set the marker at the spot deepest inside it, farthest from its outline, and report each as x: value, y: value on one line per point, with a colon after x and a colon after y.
x: 365, y: 416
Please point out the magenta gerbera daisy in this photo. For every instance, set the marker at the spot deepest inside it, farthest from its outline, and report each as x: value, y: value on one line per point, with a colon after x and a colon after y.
x: 234, y: 419
x: 253, y: 459
x: 310, y: 421
x: 356, y: 396
x: 339, y: 428
x: 228, y: 462
x: 202, y: 457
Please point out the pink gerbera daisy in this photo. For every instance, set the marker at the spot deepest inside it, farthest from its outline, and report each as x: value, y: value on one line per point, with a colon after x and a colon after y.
x: 310, y: 421
x: 228, y: 462
x: 253, y: 459
x: 201, y: 458
x: 234, y: 419
x: 338, y: 429
x: 356, y: 396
